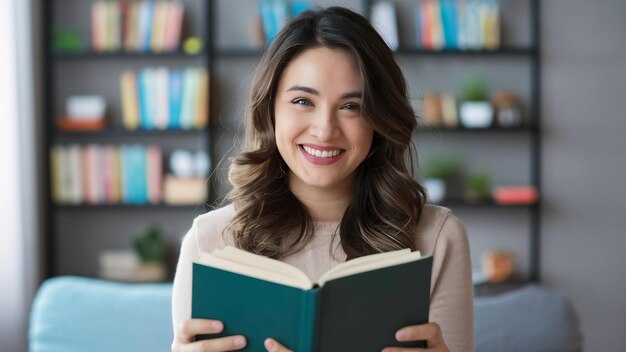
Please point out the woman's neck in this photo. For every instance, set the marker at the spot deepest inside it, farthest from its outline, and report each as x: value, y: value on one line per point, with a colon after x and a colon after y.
x: 324, y: 205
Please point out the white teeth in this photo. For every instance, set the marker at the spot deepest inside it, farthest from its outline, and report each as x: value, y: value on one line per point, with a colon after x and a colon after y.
x: 321, y: 154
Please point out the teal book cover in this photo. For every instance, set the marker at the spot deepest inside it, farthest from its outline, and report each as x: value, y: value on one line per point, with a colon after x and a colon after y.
x: 359, y: 312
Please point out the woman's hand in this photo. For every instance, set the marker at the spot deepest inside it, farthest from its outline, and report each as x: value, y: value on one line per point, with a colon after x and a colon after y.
x: 184, y: 341
x: 430, y: 332
x: 274, y: 346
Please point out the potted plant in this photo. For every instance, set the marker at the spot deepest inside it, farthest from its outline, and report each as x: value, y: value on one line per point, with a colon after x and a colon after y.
x: 436, y: 173
x: 475, y: 110
x: 151, y: 250
x: 478, y: 186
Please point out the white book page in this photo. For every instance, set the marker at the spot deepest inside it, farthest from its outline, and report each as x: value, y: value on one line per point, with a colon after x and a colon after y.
x: 243, y: 257
x: 369, y: 263
x: 255, y: 272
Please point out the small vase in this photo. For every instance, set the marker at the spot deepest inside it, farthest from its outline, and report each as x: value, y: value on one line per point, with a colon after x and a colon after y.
x: 436, y: 190
x: 476, y: 114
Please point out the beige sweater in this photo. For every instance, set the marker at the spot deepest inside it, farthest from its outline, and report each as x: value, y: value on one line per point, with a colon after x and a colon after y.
x: 439, y: 233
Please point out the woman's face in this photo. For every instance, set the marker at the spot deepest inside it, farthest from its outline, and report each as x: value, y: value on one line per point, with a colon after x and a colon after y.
x: 320, y: 130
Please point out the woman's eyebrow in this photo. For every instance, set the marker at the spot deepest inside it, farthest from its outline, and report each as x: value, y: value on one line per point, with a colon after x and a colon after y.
x: 355, y: 94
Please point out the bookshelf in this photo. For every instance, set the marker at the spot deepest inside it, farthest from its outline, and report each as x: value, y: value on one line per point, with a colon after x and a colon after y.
x: 79, y: 231
x: 230, y: 55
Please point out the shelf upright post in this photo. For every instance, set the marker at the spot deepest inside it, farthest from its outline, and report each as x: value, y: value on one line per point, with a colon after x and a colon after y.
x: 47, y: 114
x: 535, y: 141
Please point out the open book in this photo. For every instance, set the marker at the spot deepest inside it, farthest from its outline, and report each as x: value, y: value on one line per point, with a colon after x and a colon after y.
x: 357, y: 305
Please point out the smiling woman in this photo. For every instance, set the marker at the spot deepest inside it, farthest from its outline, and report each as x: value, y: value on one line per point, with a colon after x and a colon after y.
x: 320, y: 131
x: 328, y: 136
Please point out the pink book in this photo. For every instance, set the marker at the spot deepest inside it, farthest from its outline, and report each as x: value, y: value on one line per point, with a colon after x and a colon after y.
x: 155, y: 171
x: 97, y: 16
x: 173, y: 25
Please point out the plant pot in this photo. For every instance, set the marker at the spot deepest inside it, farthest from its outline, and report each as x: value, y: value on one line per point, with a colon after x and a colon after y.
x: 436, y: 190
x: 476, y: 114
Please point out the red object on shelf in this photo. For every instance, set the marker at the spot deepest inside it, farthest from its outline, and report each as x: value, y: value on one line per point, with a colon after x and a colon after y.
x: 516, y: 195
x: 69, y: 124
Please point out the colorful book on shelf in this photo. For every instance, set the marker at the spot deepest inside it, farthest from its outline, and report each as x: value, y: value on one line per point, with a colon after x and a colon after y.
x: 146, y: 10
x: 189, y: 98
x: 174, y: 25
x: 449, y: 22
x: 425, y: 25
x: 130, y: 100
x: 56, y: 174
x: 97, y: 25
x: 356, y: 306
x: 154, y: 172
x: 90, y: 174
x: 147, y: 98
x: 202, y: 100
x: 157, y: 38
x: 113, y: 26
x: 75, y: 175
x: 110, y: 174
x: 176, y: 92
x: 161, y: 98
x: 131, y: 26
x: 383, y: 15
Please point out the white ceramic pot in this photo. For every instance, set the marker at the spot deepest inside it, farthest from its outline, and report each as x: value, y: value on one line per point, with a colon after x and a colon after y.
x: 476, y: 114
x: 436, y: 190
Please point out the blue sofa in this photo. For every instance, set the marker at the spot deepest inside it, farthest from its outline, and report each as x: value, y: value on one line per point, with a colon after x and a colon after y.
x: 72, y: 314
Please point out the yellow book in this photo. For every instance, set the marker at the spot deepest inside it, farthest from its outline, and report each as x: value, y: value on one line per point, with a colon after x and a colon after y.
x: 157, y: 40
x: 130, y: 100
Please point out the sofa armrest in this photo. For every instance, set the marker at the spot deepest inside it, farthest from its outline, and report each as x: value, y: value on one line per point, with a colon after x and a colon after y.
x: 82, y: 314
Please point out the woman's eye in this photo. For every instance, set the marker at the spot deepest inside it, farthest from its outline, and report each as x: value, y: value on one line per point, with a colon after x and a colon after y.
x: 353, y: 107
x: 301, y: 101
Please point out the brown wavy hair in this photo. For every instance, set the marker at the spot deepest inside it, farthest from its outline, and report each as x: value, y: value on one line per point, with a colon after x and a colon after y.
x: 387, y: 203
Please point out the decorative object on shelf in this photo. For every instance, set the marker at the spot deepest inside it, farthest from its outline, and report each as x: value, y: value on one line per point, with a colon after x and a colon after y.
x: 440, y: 109
x: 193, y: 45
x: 498, y: 265
x: 478, y: 186
x: 475, y: 110
x: 67, y: 40
x: 508, y: 109
x: 136, y: 26
x: 436, y: 173
x: 513, y: 195
x: 144, y: 263
x: 383, y: 18
x: 83, y: 113
x: 187, y: 183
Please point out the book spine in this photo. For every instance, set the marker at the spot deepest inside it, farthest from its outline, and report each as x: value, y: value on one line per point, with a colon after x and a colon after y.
x: 309, y: 320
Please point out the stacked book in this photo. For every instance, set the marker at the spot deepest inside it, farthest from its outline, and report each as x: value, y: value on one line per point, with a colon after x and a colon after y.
x: 162, y: 98
x: 106, y: 174
x: 136, y: 26
x: 458, y: 24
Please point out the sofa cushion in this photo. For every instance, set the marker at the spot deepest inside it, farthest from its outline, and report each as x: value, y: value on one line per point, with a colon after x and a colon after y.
x: 531, y: 318
x: 81, y: 314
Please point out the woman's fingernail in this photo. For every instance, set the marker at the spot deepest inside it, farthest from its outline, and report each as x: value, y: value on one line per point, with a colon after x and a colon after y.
x: 269, y: 344
x: 239, y: 341
x: 400, y: 335
x: 217, y: 326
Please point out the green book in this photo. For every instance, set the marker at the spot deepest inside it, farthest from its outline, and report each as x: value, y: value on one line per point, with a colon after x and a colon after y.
x: 356, y: 306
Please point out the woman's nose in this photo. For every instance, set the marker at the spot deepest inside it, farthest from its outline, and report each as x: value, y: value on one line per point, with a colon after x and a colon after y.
x: 324, y: 126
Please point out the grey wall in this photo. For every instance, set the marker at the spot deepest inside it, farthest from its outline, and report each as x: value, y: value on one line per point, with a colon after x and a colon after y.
x: 584, y: 168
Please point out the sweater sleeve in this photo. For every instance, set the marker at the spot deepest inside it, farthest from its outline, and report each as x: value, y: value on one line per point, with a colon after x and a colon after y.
x: 451, y: 303
x: 181, y: 293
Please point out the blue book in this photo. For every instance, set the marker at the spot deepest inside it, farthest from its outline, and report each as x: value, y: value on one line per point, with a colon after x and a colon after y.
x: 298, y: 6
x: 267, y: 19
x: 143, y: 90
x: 176, y: 95
x: 140, y: 175
x: 449, y: 19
